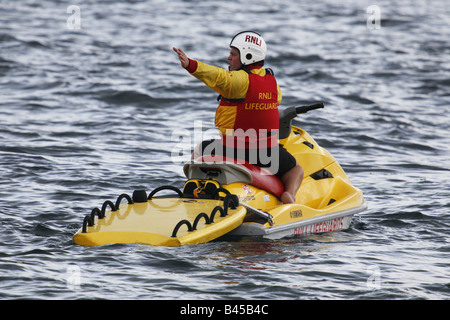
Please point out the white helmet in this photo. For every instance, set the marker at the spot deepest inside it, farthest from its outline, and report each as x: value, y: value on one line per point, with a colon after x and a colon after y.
x: 252, y: 47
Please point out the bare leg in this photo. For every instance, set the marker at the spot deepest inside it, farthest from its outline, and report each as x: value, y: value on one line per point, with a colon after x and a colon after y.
x: 292, y: 181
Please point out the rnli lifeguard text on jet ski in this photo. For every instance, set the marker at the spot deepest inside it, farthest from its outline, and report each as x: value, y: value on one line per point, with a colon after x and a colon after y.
x: 325, y: 226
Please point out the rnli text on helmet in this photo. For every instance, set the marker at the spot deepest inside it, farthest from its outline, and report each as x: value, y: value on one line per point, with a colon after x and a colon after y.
x: 253, y: 39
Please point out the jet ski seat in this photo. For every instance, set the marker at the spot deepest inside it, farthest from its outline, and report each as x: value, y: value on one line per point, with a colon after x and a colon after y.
x: 227, y: 170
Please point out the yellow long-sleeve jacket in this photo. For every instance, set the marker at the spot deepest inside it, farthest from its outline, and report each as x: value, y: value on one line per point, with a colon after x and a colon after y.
x: 231, y: 85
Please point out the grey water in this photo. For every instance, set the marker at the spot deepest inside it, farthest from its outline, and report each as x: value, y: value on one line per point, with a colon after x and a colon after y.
x: 93, y: 103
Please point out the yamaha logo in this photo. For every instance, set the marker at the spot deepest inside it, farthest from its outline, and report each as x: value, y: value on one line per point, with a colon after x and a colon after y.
x: 296, y: 214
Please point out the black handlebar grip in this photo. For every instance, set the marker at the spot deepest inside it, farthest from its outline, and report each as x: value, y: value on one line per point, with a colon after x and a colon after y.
x: 305, y: 109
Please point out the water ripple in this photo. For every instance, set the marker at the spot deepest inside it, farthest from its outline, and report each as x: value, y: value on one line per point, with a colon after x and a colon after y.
x: 88, y: 114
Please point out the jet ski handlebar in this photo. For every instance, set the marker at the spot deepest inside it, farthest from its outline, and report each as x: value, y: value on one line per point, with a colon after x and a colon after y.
x: 290, y: 113
x: 305, y: 109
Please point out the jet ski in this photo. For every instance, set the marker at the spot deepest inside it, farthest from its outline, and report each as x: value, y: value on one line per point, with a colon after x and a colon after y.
x: 227, y: 198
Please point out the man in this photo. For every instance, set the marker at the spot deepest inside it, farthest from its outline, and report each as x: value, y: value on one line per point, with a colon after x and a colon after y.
x: 247, y: 116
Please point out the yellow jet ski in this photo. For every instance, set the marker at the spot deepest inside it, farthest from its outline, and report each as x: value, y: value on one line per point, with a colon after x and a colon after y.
x: 225, y: 197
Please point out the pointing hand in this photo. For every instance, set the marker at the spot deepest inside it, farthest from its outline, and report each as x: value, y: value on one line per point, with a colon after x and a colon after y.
x: 183, y: 57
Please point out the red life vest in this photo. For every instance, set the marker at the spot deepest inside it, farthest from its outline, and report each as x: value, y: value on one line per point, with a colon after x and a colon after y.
x: 256, y: 120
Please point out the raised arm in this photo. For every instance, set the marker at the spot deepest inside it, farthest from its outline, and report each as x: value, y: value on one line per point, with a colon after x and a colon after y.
x: 230, y: 84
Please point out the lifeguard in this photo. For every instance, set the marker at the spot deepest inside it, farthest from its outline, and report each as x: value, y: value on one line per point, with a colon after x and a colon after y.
x: 247, y: 115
